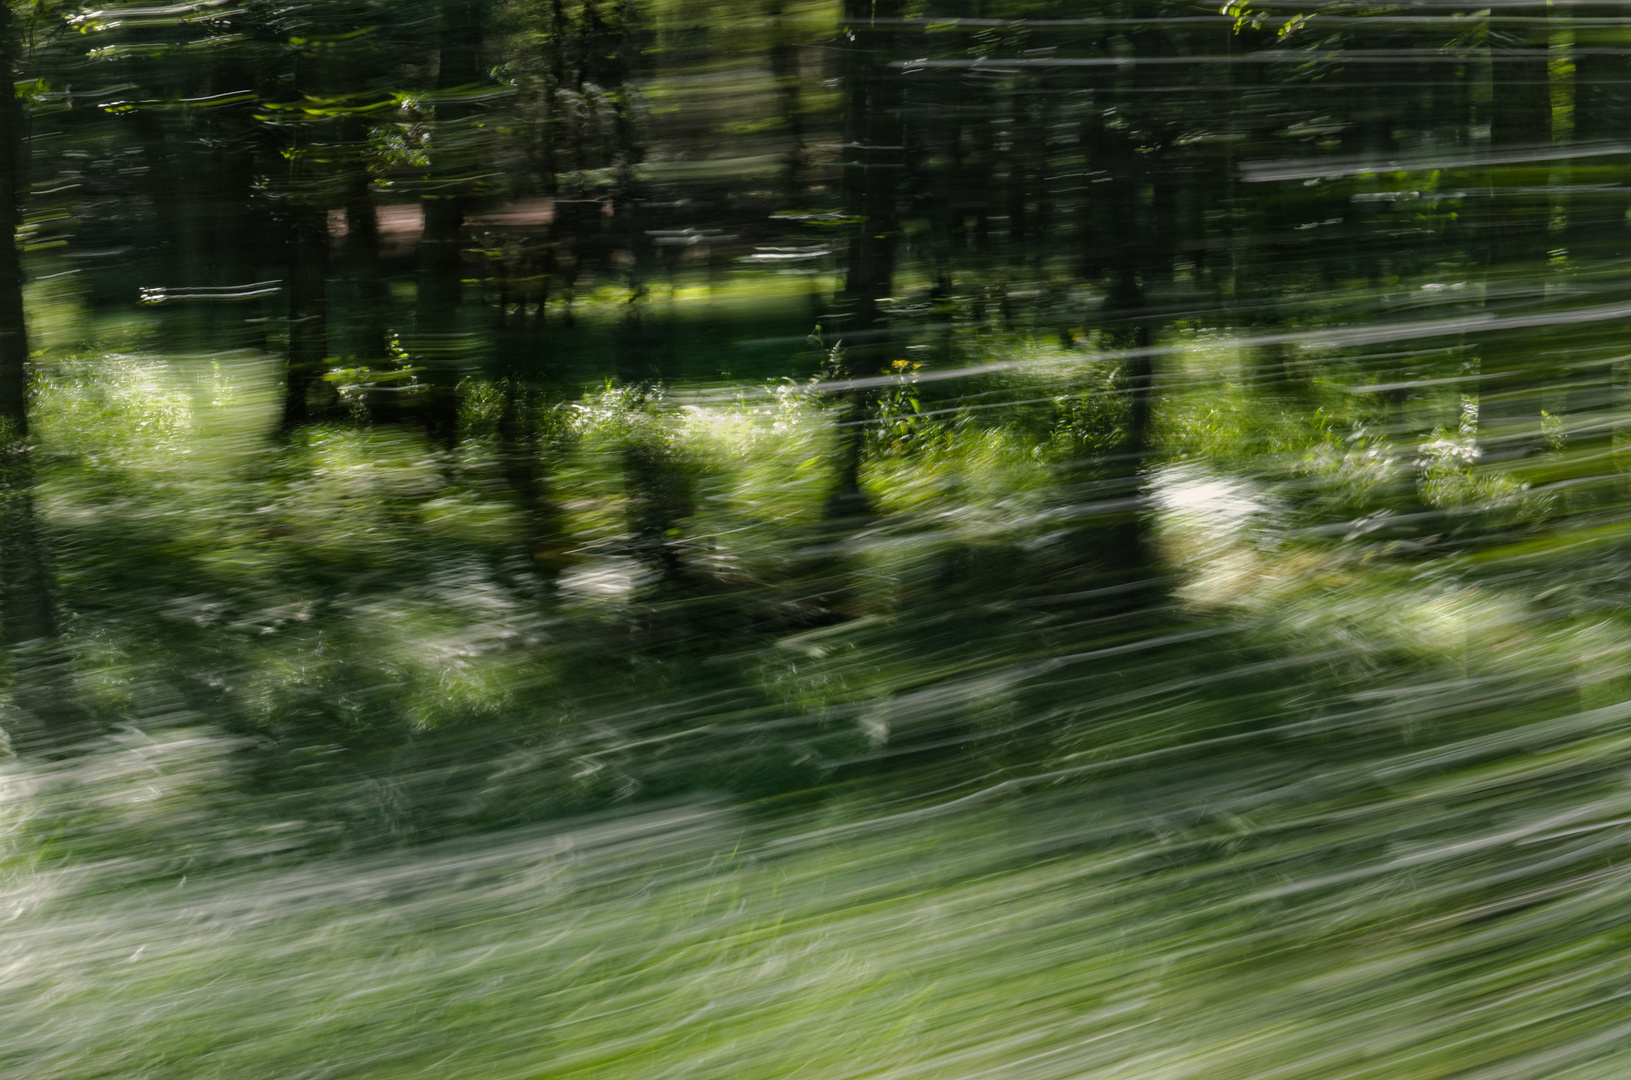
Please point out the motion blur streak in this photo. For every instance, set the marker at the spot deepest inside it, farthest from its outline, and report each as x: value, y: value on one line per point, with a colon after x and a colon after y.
x: 820, y: 539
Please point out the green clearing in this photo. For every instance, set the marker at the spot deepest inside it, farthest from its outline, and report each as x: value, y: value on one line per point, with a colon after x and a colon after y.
x: 372, y: 805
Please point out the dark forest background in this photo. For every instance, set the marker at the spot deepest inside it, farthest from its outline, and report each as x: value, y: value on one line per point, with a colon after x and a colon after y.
x: 682, y: 336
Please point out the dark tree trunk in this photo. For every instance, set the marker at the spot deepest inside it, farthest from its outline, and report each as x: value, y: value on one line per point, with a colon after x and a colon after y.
x: 519, y: 341
x: 28, y: 613
x: 784, y: 68
x: 440, y: 294
x: 237, y: 238
x: 1519, y: 214
x: 520, y: 450
x: 1132, y: 249
x: 1598, y: 240
x: 306, y: 256
x: 874, y: 147
x: 307, y: 240
x: 13, y: 333
x: 1123, y: 548
x: 1262, y: 254
x: 659, y: 500
x: 366, y: 290
x: 441, y: 272
x: 28, y: 617
x: 1602, y: 114
x: 42, y: 690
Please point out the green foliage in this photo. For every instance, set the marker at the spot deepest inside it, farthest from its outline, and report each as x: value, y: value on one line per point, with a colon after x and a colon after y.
x: 459, y: 661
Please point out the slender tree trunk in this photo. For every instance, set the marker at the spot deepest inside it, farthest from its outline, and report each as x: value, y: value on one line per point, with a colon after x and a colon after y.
x: 1123, y: 548
x: 1262, y: 256
x: 519, y: 342
x: 1597, y: 227
x: 441, y: 271
x: 237, y: 238
x: 520, y: 450
x: 874, y: 145
x: 364, y: 269
x: 1517, y: 225
x: 784, y: 69
x: 307, y: 240
x: 41, y: 690
x: 1133, y: 249
x: 659, y: 499
x: 28, y: 617
x: 13, y: 333
x: 27, y: 612
x: 306, y: 253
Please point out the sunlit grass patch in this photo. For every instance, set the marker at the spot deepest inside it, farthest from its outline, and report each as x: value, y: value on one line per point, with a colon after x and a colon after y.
x: 768, y: 458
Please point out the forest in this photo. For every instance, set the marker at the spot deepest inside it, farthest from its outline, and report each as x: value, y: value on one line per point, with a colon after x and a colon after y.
x: 859, y: 539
